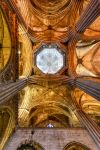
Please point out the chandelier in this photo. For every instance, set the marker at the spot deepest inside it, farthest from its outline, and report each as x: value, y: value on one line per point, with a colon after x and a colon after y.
x: 27, y: 146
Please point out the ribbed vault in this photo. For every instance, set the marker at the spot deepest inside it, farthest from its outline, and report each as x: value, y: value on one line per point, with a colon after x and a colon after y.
x: 61, y: 99
x: 43, y: 104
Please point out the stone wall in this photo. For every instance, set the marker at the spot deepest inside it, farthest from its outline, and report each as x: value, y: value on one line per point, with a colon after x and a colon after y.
x: 51, y: 139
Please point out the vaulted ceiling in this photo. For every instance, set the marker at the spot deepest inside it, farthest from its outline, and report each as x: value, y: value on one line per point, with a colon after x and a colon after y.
x: 47, y: 100
x: 51, y: 22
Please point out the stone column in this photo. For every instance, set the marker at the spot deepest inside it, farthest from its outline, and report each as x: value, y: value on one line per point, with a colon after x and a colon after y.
x: 89, y: 86
x: 10, y: 89
x: 89, y: 124
x: 88, y: 16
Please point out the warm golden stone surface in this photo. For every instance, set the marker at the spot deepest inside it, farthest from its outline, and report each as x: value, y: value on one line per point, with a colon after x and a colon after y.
x: 48, y: 98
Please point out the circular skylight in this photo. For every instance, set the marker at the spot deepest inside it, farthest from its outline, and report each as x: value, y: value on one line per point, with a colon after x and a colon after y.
x: 50, y: 60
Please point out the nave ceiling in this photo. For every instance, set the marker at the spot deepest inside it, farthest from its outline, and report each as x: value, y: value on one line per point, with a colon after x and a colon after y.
x: 48, y: 99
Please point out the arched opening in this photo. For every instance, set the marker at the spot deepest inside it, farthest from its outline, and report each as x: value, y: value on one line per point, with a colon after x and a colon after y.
x: 75, y: 146
x: 7, y: 124
x: 4, y: 120
x: 5, y: 41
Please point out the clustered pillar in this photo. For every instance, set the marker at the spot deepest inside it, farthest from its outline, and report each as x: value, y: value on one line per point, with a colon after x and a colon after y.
x: 10, y: 89
x: 89, y: 15
x: 89, y: 124
x: 88, y: 86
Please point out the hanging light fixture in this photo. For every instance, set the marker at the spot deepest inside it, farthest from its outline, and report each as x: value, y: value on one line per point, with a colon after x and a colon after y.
x: 28, y: 144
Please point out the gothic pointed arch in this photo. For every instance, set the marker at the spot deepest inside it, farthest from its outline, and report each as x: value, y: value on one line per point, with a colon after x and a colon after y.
x: 76, y: 146
x: 5, y: 41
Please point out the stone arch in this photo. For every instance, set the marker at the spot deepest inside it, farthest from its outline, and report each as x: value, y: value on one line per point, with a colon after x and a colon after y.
x: 10, y: 125
x: 76, y: 146
x: 6, y: 41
